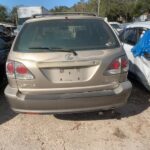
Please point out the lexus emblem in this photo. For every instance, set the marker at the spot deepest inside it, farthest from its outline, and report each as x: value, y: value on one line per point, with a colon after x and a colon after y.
x: 69, y: 57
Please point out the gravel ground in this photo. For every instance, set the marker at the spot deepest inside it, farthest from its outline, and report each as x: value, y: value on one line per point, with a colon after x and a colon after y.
x: 126, y: 128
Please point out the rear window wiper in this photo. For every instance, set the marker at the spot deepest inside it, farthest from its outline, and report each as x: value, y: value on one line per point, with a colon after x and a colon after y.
x: 56, y: 49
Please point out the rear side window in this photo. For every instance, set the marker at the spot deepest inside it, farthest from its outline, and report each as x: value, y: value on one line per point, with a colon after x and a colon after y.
x: 129, y: 36
x: 141, y: 32
x: 77, y: 34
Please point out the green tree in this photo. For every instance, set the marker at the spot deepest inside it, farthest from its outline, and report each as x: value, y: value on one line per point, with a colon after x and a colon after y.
x: 3, y: 13
x: 80, y: 6
x: 60, y: 9
x: 92, y: 6
x: 112, y: 9
x: 141, y: 6
x: 13, y: 15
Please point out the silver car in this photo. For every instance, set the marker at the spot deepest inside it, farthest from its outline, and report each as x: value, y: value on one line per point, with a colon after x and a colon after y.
x: 63, y: 63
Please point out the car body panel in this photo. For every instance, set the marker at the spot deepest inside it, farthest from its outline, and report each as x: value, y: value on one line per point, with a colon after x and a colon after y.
x: 130, y: 56
x: 69, y: 102
x: 139, y: 66
x: 117, y: 26
x: 89, y: 69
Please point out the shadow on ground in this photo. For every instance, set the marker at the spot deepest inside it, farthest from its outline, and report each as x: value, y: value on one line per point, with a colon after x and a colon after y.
x: 138, y: 102
x: 5, y: 112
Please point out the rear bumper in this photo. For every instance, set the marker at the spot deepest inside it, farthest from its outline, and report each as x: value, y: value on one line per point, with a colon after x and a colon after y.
x: 68, y: 102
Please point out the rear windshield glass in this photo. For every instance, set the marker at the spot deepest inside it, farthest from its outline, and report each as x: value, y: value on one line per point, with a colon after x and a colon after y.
x: 76, y: 34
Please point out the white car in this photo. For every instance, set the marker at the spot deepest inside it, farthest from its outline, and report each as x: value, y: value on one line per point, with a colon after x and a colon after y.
x: 116, y: 26
x: 140, y: 65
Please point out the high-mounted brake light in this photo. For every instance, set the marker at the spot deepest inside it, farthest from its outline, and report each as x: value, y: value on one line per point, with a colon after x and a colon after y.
x: 18, y: 71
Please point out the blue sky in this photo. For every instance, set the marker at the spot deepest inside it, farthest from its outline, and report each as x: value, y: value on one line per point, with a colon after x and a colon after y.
x: 46, y: 3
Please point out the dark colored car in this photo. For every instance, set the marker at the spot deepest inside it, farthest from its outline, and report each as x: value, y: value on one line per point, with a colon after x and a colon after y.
x: 4, y: 50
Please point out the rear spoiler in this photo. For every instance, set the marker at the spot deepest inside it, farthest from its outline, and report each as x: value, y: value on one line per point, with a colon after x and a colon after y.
x: 64, y: 13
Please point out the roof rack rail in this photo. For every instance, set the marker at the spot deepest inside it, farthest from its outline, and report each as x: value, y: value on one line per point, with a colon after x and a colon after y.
x: 64, y: 13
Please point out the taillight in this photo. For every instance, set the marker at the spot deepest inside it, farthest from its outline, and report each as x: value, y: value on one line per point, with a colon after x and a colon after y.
x: 124, y: 64
x: 21, y: 69
x: 114, y: 67
x: 118, y: 65
x: 18, y: 71
x: 115, y: 64
x: 10, y: 69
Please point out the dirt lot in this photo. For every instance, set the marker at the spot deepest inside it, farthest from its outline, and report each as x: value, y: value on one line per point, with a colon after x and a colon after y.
x: 127, y: 129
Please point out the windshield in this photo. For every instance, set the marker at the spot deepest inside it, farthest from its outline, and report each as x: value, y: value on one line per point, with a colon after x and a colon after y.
x: 116, y: 26
x: 75, y: 34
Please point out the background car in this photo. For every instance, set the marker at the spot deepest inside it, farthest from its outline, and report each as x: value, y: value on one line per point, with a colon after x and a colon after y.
x: 117, y: 26
x: 124, y: 25
x: 139, y: 66
x: 4, y: 50
x: 6, y: 33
